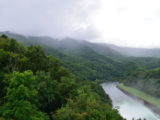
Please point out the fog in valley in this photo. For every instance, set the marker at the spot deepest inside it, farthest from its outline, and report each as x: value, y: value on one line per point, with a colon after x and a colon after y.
x: 85, y: 59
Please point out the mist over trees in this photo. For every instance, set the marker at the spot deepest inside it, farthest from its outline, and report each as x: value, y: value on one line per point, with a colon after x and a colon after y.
x: 35, y: 86
x: 46, y: 82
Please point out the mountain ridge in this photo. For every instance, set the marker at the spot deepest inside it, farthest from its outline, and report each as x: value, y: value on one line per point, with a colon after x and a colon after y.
x: 70, y: 45
x: 67, y: 45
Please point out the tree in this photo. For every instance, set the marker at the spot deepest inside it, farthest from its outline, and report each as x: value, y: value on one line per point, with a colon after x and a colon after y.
x: 52, y: 94
x: 4, y: 36
x: 36, y: 59
x: 19, y: 99
x: 86, y: 106
x: 47, y: 91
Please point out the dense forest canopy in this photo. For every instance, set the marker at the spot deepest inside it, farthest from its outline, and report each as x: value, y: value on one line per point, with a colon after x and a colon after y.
x: 45, y: 82
x: 35, y: 86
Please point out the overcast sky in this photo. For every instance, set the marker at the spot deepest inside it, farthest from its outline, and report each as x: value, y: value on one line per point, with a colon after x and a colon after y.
x: 133, y: 23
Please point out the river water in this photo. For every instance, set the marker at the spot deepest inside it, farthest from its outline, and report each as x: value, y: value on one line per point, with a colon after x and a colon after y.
x: 128, y: 107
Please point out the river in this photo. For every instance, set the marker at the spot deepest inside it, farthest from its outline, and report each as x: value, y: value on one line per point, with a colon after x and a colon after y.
x: 128, y: 107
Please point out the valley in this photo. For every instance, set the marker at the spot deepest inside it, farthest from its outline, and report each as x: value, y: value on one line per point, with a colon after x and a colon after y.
x: 79, y: 59
x: 71, y: 71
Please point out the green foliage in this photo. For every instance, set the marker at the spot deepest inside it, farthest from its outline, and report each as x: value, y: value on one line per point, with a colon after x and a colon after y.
x: 154, y: 73
x: 3, y: 88
x: 147, y: 81
x: 86, y: 106
x: 19, y: 98
x: 83, y: 61
x: 4, y: 36
x: 36, y: 55
x: 10, y: 45
x: 58, y: 91
x: 52, y: 93
x: 14, y: 56
x: 48, y: 87
x: 100, y: 91
x: 151, y: 82
x: 150, y: 99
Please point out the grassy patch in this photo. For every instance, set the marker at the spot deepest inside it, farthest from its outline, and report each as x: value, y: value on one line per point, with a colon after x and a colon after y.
x: 142, y: 95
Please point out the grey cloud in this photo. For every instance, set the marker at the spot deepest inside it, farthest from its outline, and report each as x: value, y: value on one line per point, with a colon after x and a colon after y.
x: 157, y: 13
x: 148, y: 20
x: 46, y: 17
x: 89, y: 33
x: 122, y: 9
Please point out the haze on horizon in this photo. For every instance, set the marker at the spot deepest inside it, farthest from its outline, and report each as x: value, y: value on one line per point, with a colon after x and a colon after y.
x: 133, y: 23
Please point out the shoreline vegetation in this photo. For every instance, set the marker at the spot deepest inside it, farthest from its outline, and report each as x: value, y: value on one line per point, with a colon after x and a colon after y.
x: 150, y: 101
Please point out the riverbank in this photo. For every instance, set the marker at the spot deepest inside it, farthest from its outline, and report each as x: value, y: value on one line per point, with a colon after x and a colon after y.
x: 150, y: 101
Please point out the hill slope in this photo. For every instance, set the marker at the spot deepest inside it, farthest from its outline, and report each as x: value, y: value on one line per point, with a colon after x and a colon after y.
x: 67, y: 45
x: 71, y: 45
x: 80, y: 59
x: 136, y: 52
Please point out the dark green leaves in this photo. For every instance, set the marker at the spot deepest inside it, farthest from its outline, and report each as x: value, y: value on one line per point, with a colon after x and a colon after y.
x: 19, y: 99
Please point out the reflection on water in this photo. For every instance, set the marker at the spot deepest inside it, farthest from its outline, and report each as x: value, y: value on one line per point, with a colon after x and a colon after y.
x: 128, y: 107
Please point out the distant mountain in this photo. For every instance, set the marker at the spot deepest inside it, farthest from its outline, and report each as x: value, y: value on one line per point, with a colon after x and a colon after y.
x: 73, y: 46
x: 67, y: 45
x: 77, y: 56
x: 135, y: 52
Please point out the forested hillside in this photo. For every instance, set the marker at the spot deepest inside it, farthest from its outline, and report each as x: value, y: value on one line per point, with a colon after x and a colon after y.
x: 36, y: 86
x: 147, y: 81
x: 135, y: 52
x: 67, y: 45
x: 60, y: 80
x: 86, y: 60
x: 70, y: 45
